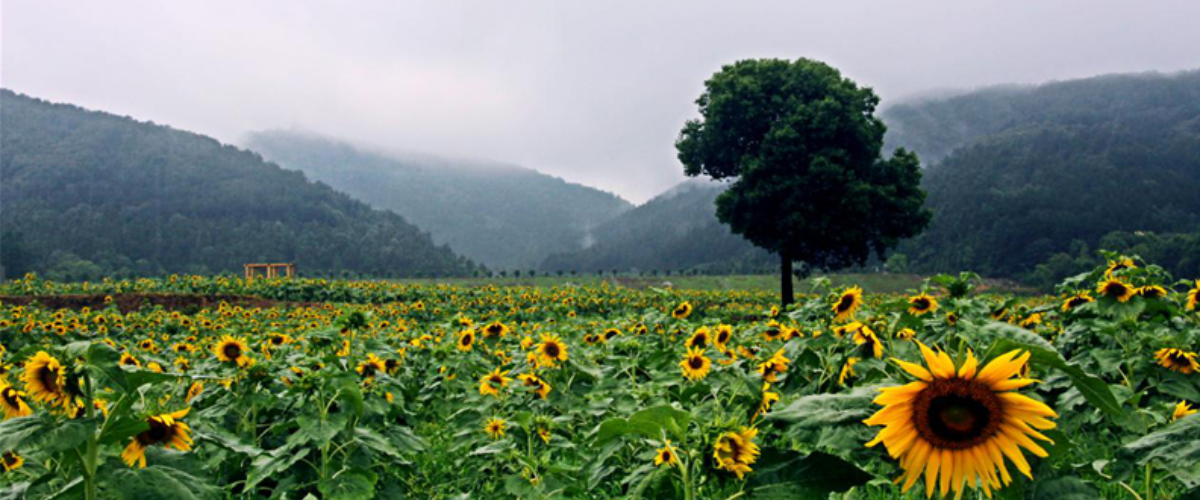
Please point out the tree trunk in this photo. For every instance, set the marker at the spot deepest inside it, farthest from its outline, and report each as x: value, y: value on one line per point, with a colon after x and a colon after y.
x: 785, y: 282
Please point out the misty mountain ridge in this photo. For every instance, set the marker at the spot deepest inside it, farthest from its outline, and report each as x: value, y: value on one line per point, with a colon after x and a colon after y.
x: 502, y: 215
x: 88, y: 194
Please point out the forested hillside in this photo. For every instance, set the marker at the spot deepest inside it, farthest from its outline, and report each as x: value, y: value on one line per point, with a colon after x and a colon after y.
x: 677, y: 230
x: 87, y: 194
x: 1044, y: 170
x: 503, y: 216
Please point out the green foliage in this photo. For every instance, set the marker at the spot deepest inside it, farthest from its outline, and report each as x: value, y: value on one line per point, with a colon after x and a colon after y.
x: 1034, y: 175
x: 88, y: 194
x: 500, y: 215
x: 803, y: 147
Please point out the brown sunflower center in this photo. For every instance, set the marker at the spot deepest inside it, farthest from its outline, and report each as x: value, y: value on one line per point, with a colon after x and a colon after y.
x: 9, y: 459
x: 159, y: 432
x: 232, y: 351
x: 700, y: 340
x: 551, y: 349
x: 695, y: 362
x: 48, y: 378
x: 845, y: 303
x: 10, y: 397
x: 722, y: 337
x: 465, y: 340
x: 921, y: 304
x: 1116, y: 288
x: 956, y: 413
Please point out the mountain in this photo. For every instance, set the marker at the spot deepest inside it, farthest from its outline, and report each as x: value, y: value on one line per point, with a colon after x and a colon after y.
x: 503, y: 216
x: 1018, y: 175
x: 88, y: 193
x: 677, y: 230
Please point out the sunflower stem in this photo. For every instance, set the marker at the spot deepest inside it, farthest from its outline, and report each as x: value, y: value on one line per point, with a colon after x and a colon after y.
x: 1149, y: 486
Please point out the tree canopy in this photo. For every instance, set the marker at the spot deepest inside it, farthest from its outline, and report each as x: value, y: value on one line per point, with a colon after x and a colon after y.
x: 802, y: 147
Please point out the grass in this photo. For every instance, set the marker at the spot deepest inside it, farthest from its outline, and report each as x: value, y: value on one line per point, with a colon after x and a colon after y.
x: 870, y: 282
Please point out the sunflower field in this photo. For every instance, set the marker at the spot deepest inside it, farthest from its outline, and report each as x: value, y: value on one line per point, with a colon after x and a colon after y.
x: 367, y: 389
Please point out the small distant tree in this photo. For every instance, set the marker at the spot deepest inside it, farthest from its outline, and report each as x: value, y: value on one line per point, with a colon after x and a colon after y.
x: 803, y: 149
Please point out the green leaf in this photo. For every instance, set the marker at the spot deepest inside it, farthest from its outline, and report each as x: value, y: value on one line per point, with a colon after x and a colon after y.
x: 376, y: 442
x: 15, y: 432
x: 649, y: 423
x: 67, y: 435
x: 406, y: 440
x: 830, y: 422
x: 1008, y: 337
x: 790, y: 474
x: 228, y: 441
x: 1174, y: 448
x: 273, y: 463
x: 313, y: 431
x: 158, y: 482
x: 493, y: 448
x: 1062, y: 488
x: 73, y: 489
x: 349, y: 484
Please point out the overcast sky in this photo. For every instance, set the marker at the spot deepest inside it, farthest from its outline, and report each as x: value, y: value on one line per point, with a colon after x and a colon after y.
x: 594, y: 92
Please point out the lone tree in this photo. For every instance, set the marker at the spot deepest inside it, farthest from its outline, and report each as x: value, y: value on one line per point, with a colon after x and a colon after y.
x: 803, y: 148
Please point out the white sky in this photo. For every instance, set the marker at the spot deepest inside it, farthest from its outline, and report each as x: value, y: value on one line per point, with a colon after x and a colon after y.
x: 594, y: 92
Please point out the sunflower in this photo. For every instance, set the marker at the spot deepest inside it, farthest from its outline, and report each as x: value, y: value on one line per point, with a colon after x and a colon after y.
x: 1182, y: 409
x: 736, y: 451
x: 539, y: 386
x: 490, y: 384
x: 922, y: 304
x: 496, y: 329
x: 194, y: 390
x: 1119, y: 264
x: 1193, y: 297
x: 768, y: 398
x: 906, y: 334
x: 847, y: 371
x: 776, y: 364
x: 961, y: 422
x: 722, y: 338
x: 1115, y: 289
x: 1076, y: 300
x: 847, y: 304
x: 232, y: 350
x: 551, y: 350
x: 699, y: 339
x: 544, y: 434
x: 11, y: 461
x: 279, y: 339
x: 466, y: 339
x: 370, y: 367
x: 167, y: 430
x: 665, y: 455
x: 1177, y: 360
x: 128, y: 360
x: 46, y: 379
x: 1151, y: 292
x: 773, y: 332
x: 12, y: 402
x: 494, y: 427
x: 695, y: 364
x: 682, y: 311
x: 610, y: 334
x: 868, y: 342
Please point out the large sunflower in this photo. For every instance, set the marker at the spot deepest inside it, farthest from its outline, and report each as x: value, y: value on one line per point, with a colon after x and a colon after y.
x: 167, y: 430
x: 695, y: 365
x: 724, y: 335
x: 46, y: 380
x: 772, y: 367
x: 233, y: 350
x: 490, y: 384
x: 682, y: 311
x: 494, y: 427
x: 371, y: 366
x: 921, y: 304
x: 1177, y: 360
x: 466, y: 339
x: 551, y: 350
x: 847, y: 304
x: 12, y: 402
x: 736, y: 451
x: 539, y: 386
x: 699, y: 339
x: 1076, y: 300
x: 868, y: 342
x: 955, y: 426
x: 1116, y: 289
